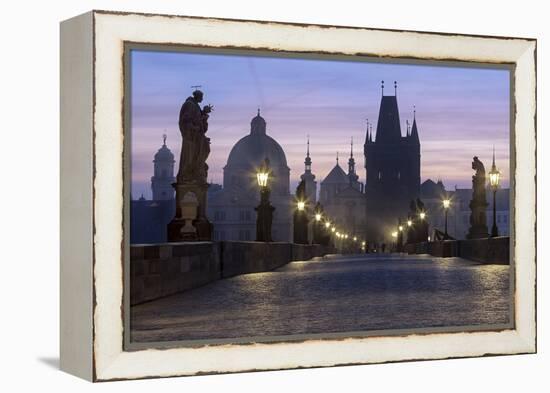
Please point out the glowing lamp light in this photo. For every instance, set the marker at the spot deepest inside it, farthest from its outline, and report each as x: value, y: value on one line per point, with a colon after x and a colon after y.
x: 422, y: 215
x: 262, y: 177
x: 400, y: 228
x: 327, y: 224
x: 301, y: 205
x: 446, y: 203
x: 333, y: 229
x: 394, y: 234
x: 355, y: 238
x: 318, y: 217
x: 409, y: 222
x: 494, y: 178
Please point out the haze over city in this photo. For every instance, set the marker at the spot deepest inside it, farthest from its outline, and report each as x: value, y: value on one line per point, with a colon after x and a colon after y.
x: 460, y: 112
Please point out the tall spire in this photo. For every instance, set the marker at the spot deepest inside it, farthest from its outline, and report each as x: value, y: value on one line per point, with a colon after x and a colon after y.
x: 414, y: 132
x: 351, y: 150
x: 352, y: 176
x: 307, y: 161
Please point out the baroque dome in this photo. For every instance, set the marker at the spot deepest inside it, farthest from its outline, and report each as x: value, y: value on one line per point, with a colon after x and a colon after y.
x: 252, y: 149
x: 164, y: 153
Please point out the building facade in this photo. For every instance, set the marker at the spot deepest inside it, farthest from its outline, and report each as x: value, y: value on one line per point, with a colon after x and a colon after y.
x: 343, y: 199
x: 458, y: 216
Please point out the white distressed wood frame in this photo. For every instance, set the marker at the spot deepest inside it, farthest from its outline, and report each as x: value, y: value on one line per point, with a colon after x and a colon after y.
x: 92, y: 194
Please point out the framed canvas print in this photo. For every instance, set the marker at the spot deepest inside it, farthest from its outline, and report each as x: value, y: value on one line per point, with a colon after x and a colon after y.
x: 247, y: 195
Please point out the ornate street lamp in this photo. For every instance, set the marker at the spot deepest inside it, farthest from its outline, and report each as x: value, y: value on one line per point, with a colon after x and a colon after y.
x: 301, y: 219
x: 422, y: 215
x: 264, y: 210
x: 446, y: 204
x: 494, y: 180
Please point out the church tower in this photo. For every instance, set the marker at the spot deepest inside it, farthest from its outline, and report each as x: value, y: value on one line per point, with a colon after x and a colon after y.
x: 161, y: 181
x: 392, y: 163
x: 309, y: 178
x: 352, y: 174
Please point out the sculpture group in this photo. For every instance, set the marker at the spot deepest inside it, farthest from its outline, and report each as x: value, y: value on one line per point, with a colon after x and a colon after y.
x: 190, y: 222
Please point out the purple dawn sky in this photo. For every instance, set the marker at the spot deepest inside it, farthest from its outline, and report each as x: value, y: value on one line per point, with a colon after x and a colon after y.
x: 460, y: 112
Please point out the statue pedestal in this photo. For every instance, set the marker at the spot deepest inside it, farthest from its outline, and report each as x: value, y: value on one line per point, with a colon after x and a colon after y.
x: 190, y: 222
x: 478, y: 223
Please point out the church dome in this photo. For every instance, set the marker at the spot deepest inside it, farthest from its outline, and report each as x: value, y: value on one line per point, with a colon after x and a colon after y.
x: 252, y: 149
x: 164, y: 153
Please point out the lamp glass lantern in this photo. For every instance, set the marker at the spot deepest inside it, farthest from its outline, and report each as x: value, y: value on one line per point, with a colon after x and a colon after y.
x: 262, y: 177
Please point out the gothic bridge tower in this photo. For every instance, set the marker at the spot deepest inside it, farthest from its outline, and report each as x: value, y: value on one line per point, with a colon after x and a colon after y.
x: 392, y: 163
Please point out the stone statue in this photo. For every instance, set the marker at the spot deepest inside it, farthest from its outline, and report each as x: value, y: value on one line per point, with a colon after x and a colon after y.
x: 193, y: 124
x: 478, y: 204
x: 190, y: 222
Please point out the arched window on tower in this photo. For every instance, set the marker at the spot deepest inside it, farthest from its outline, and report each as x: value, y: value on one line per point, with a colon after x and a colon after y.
x: 379, y: 175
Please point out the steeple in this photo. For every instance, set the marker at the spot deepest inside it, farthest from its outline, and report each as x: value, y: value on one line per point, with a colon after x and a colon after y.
x: 351, y: 166
x: 309, y: 178
x: 414, y: 132
x: 307, y: 161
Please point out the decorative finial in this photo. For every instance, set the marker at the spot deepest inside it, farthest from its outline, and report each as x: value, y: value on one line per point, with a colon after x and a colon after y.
x: 395, y: 87
x: 414, y: 112
x: 258, y: 111
x: 382, y: 88
x: 351, y: 151
x: 336, y: 158
x: 307, y: 145
x: 164, y: 138
x: 494, y: 156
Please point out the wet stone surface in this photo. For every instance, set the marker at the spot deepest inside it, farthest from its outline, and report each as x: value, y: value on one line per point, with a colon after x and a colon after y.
x: 333, y: 295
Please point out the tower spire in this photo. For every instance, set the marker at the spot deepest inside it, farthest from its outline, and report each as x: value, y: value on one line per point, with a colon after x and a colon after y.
x: 414, y: 131
x: 382, y: 88
x: 351, y: 151
x: 307, y: 161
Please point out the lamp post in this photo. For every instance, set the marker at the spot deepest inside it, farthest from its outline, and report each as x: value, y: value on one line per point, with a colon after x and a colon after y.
x: 399, y: 236
x: 394, y: 237
x: 494, y: 180
x: 264, y: 210
x: 318, y: 224
x: 446, y: 205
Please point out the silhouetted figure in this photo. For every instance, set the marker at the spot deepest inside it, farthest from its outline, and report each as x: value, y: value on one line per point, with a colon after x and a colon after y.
x: 478, y: 204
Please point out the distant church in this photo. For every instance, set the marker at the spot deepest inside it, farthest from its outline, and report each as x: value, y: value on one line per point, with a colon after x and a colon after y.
x: 148, y: 218
x: 343, y: 199
x: 231, y: 209
x: 392, y: 163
